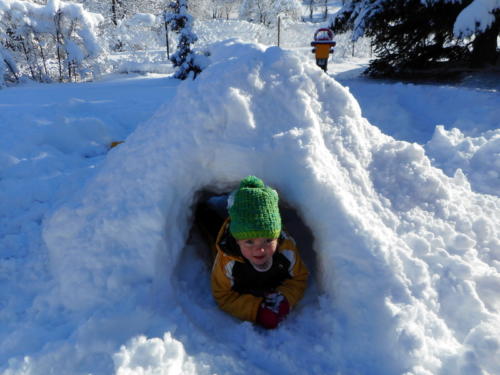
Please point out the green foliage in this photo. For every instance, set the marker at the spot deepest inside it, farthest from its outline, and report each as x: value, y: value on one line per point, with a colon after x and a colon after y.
x: 411, y: 39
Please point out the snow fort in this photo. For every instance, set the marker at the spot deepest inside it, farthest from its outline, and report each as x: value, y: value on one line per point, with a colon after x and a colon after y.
x: 405, y: 260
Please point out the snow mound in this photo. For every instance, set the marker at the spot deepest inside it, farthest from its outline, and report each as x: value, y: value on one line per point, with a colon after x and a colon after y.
x: 408, y: 259
x: 477, y: 157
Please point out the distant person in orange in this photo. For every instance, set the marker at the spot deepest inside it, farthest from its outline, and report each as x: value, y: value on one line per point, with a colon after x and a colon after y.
x: 323, y: 44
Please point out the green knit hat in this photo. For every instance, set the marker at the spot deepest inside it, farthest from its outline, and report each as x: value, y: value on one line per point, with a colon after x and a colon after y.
x: 253, y: 210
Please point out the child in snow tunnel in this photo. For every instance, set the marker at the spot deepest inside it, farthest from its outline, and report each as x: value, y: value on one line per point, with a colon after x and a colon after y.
x: 258, y: 274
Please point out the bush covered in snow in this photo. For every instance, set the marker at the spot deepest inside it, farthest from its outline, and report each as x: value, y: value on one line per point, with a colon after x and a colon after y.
x: 56, y: 41
x: 139, y: 32
x: 267, y: 11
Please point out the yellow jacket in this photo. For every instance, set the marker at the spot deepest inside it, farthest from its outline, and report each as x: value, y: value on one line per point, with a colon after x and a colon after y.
x: 322, y: 51
x: 239, y: 289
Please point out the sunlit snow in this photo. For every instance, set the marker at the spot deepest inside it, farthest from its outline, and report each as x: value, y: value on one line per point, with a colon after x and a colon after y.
x: 102, y: 271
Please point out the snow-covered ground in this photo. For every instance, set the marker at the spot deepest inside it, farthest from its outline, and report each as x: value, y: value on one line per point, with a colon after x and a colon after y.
x: 101, y: 272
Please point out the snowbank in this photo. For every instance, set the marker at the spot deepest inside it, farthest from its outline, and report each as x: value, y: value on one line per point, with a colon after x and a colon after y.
x: 477, y: 157
x: 408, y: 259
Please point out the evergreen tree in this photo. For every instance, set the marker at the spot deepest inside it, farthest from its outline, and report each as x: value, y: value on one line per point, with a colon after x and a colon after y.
x: 413, y: 38
x: 181, y: 22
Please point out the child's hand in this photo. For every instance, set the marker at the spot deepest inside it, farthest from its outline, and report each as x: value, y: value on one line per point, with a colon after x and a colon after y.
x: 273, y: 310
x: 273, y: 301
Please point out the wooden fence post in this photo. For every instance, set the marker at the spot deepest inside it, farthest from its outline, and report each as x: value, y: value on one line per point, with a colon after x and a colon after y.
x: 279, y: 29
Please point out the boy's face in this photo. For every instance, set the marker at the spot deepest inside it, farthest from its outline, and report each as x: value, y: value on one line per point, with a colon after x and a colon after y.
x: 258, y: 250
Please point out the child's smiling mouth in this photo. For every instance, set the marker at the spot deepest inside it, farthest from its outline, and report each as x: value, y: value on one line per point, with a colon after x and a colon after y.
x: 260, y: 259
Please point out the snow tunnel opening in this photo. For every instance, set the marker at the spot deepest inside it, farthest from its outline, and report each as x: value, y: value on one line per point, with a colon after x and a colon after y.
x: 193, y: 271
x: 208, y: 225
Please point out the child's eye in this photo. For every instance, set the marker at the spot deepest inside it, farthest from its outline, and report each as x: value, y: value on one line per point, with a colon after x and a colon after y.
x: 249, y: 242
x: 269, y: 240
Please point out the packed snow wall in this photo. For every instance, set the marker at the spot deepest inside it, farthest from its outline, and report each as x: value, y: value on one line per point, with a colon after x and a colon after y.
x: 407, y: 258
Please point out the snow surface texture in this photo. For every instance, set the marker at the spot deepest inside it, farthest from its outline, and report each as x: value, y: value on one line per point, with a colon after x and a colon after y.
x: 408, y: 112
x: 472, y: 156
x: 407, y: 258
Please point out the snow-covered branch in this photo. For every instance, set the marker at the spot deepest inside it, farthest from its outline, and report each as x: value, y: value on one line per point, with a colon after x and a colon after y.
x: 47, y: 41
x: 477, y: 17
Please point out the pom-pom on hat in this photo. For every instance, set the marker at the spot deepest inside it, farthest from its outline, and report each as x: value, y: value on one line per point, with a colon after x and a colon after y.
x: 254, y: 211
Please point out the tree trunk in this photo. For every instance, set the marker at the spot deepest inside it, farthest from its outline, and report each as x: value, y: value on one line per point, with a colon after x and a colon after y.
x: 114, y: 18
x: 166, y: 38
x: 28, y: 59
x: 484, y: 50
x: 57, y: 20
x: 44, y: 60
x: 12, y: 69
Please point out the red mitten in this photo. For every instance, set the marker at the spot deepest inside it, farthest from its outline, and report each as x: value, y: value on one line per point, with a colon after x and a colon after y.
x: 283, y: 309
x: 267, y: 318
x: 273, y: 310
